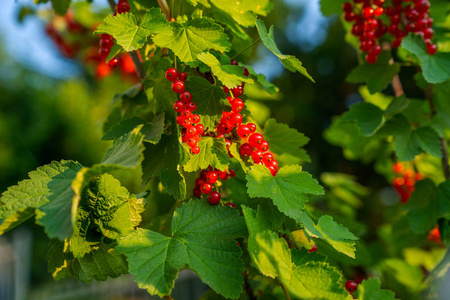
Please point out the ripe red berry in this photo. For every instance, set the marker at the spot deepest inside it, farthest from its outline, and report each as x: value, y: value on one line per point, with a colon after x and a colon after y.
x: 264, y: 146
x: 103, y: 53
x: 267, y: 158
x: 246, y: 73
x: 191, y: 142
x: 351, y: 286
x: 171, y: 74
x: 200, y: 128
x: 214, y: 198
x: 191, y: 131
x: 105, y: 43
x: 313, y: 249
x: 212, y: 177
x: 197, y: 192
x: 182, y: 76
x: 273, y: 170
x: 255, y: 139
x: 186, y: 97
x: 224, y: 128
x: 431, y: 49
x: 195, y: 150
x: 122, y: 7
x: 195, y: 119
x: 237, y: 105
x: 234, y: 62
x: 178, y: 86
x: 191, y: 106
x: 371, y: 59
x: 186, y: 113
x: 252, y: 127
x: 246, y: 149
x: 206, y: 188
x: 232, y: 173
x: 257, y: 157
x: 236, y: 119
x: 179, y: 106
x: 223, y: 175
x: 114, y: 62
x: 232, y: 205
x: 243, y: 131
x: 237, y: 91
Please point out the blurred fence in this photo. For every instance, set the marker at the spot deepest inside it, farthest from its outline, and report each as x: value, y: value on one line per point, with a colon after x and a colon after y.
x: 15, y: 267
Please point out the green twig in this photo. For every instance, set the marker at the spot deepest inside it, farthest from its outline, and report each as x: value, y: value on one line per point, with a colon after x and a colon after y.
x: 285, y: 291
x: 249, y: 46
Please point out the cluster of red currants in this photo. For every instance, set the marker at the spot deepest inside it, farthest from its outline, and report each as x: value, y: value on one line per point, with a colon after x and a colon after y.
x: 105, y: 43
x: 192, y: 130
x: 403, y: 18
x: 404, y: 184
x: 206, y: 181
x: 66, y: 48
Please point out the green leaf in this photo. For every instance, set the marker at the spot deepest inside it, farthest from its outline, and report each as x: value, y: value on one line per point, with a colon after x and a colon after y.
x: 377, y: 76
x: 152, y: 131
x: 244, y: 12
x: 49, y: 190
x: 131, y: 36
x: 290, y: 62
x: 339, y: 237
x: 367, y: 116
x: 225, y: 19
x: 261, y: 79
x: 61, y: 6
x: 428, y: 139
x: 409, y: 143
x: 284, y: 140
x: 427, y: 204
x: 157, y: 164
x: 203, y: 240
x: 312, y: 279
x: 103, y: 262
x: 371, y: 289
x: 288, y: 189
x: 123, y: 27
x: 436, y: 68
x: 397, y: 105
x: 213, y: 152
x: 191, y: 38
x: 329, y: 7
x: 126, y: 153
x: 230, y: 76
x: 210, y: 100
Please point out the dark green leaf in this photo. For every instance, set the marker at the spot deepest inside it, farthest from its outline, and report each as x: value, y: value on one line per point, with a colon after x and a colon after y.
x: 367, y: 116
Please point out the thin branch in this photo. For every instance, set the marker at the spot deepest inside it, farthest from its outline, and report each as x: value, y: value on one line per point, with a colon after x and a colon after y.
x: 242, y: 51
x: 396, y: 83
x: 133, y: 54
x: 164, y: 8
x: 112, y: 4
x: 171, y: 9
x: 180, y: 8
x: 285, y: 291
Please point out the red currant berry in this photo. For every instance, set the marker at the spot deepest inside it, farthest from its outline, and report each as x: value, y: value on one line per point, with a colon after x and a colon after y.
x: 257, y: 157
x: 195, y: 150
x: 237, y: 105
x: 267, y: 158
x: 237, y: 91
x: 195, y: 119
x: 200, y: 128
x: 191, y: 106
x: 272, y: 170
x: 211, y: 177
x: 255, y: 139
x: 224, y: 128
x: 264, y: 146
x: 232, y: 173
x: 223, y: 175
x: 368, y: 12
x: 225, y: 90
x: 246, y: 73
x: 186, y: 97
x: 179, y: 106
x: 105, y: 43
x: 186, y: 113
x: 103, y: 53
x: 246, y: 149
x: 252, y: 127
x: 214, y: 198
x: 122, y: 7
x: 171, y: 74
x: 114, y: 62
x: 191, y: 131
x: 431, y: 49
x: 371, y: 59
x: 191, y: 142
x: 236, y: 119
x: 243, y: 131
x: 182, y: 76
x: 347, y: 7
x: 351, y: 286
x: 197, y: 192
x: 206, y: 188
x: 313, y: 249
x: 234, y: 62
x: 178, y: 86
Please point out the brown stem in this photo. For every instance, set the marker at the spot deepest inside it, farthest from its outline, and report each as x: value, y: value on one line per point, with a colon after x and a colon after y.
x: 133, y: 54
x: 396, y: 83
x: 112, y: 4
x: 285, y: 291
x: 444, y: 159
x: 164, y: 8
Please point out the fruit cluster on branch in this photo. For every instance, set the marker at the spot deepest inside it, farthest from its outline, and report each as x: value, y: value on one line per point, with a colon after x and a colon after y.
x: 404, y: 183
x: 375, y: 18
